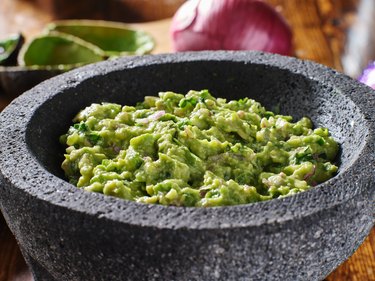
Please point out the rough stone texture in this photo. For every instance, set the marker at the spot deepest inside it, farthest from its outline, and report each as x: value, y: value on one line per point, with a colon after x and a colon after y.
x: 68, y: 234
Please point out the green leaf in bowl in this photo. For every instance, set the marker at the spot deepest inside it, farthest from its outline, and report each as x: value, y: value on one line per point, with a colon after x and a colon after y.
x: 59, y: 50
x: 115, y: 39
x: 9, y: 49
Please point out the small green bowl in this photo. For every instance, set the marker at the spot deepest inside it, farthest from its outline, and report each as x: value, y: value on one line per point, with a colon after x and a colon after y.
x: 9, y: 49
x: 115, y: 39
x: 58, y: 50
x: 67, y: 44
x: 14, y: 80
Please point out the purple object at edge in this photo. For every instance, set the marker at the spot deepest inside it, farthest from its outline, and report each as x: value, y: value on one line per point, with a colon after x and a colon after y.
x: 368, y: 75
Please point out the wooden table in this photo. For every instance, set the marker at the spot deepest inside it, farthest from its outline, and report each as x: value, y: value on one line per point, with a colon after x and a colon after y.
x: 331, y: 32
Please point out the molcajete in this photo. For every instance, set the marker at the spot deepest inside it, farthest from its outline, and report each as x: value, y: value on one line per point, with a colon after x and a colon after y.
x: 66, y: 233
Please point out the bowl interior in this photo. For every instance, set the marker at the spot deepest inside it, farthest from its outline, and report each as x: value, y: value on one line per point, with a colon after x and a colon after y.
x: 277, y: 89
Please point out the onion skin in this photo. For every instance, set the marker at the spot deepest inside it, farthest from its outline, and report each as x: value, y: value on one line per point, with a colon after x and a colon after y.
x: 230, y: 25
x: 368, y: 75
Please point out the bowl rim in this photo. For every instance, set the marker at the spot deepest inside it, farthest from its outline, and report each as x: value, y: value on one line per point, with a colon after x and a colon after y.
x: 61, y: 194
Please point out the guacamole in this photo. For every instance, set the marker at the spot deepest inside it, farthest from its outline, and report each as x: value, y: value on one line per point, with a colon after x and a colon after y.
x: 195, y: 150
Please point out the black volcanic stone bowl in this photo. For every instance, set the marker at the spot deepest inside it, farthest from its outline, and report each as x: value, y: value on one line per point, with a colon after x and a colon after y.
x: 68, y: 234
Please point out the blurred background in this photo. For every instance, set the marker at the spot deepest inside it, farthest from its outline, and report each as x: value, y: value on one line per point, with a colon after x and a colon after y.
x: 320, y: 27
x: 115, y: 10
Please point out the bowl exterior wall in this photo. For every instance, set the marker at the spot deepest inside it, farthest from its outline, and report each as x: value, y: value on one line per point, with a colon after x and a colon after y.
x: 68, y: 245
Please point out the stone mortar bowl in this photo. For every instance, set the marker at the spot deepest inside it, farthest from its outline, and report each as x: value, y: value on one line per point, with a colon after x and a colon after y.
x: 68, y: 234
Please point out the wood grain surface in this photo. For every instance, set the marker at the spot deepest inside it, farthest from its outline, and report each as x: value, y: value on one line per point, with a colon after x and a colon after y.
x: 321, y: 30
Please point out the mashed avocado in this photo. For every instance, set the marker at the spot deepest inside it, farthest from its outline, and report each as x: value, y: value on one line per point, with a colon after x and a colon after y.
x: 195, y: 150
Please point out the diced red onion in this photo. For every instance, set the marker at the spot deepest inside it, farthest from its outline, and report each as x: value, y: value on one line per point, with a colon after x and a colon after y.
x: 157, y: 115
x: 230, y: 25
x: 310, y: 174
x: 153, y: 117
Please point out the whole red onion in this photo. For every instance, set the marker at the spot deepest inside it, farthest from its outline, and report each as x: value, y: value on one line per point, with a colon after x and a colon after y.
x: 230, y: 25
